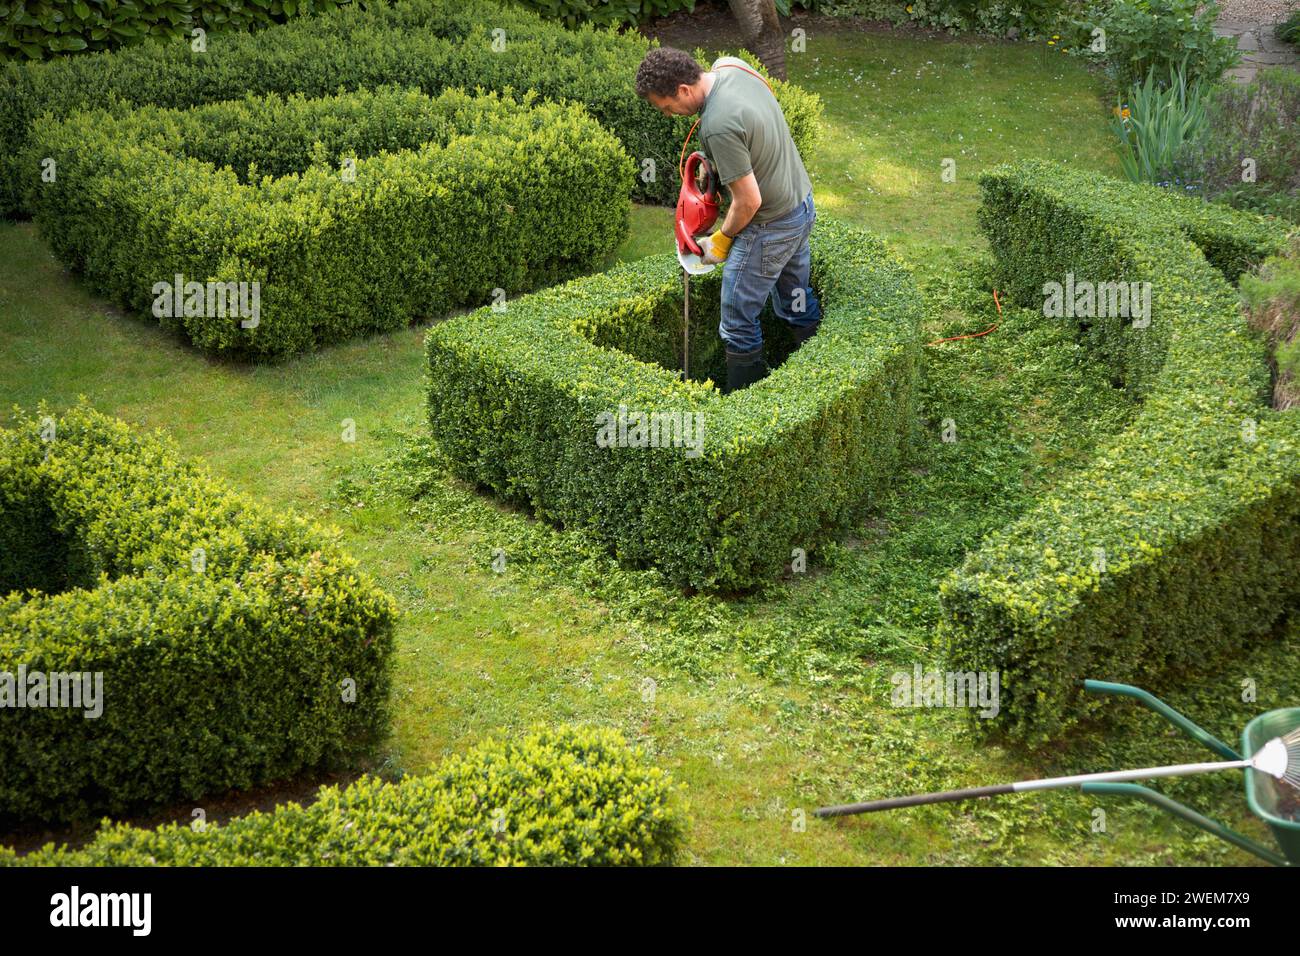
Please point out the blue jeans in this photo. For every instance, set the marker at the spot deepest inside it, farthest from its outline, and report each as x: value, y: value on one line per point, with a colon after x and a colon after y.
x: 763, y: 258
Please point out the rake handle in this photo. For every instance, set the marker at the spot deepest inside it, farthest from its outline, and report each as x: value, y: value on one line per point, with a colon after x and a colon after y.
x: 916, y: 800
x: 1025, y: 786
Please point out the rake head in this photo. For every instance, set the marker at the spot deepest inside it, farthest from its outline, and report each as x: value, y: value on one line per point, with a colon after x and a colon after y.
x: 1280, y: 759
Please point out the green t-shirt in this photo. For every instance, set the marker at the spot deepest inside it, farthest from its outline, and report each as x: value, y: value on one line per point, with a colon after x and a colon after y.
x: 742, y: 128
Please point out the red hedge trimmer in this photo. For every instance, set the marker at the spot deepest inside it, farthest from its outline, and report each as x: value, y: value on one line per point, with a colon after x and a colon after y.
x: 697, y: 211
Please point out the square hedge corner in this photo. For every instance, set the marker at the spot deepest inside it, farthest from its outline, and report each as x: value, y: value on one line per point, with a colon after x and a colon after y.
x: 539, y: 400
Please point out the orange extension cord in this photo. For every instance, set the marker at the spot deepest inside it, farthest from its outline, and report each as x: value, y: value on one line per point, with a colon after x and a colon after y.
x: 973, y: 335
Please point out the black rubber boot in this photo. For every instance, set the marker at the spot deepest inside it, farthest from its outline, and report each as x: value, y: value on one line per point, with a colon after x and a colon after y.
x: 744, y: 368
x: 802, y: 333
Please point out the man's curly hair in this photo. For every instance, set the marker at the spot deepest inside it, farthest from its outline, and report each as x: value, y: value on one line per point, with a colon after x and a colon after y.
x: 663, y: 70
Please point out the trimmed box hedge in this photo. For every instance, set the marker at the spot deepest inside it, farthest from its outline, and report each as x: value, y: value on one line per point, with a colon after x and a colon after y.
x: 449, y: 198
x: 431, y: 45
x: 567, y: 797
x: 224, y: 631
x: 36, y: 30
x: 514, y: 395
x: 1178, y: 546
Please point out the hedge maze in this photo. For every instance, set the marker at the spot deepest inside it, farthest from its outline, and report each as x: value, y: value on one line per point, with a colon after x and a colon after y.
x: 428, y: 45
x: 573, y: 796
x: 347, y: 174
x: 301, y: 164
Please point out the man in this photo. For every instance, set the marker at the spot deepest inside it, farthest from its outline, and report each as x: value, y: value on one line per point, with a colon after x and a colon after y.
x: 763, y: 239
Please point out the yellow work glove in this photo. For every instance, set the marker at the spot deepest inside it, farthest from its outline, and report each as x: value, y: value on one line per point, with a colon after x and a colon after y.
x: 720, y: 245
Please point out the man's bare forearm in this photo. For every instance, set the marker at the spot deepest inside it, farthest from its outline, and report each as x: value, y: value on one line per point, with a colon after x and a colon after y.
x: 737, y: 218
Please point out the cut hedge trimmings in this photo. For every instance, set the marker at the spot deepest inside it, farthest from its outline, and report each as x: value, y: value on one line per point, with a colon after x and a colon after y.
x: 1179, y: 544
x: 300, y: 201
x: 236, y: 646
x: 573, y: 796
x: 520, y: 399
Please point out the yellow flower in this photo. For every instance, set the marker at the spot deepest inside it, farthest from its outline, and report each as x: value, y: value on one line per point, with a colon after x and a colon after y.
x: 909, y: 9
x: 1051, y: 43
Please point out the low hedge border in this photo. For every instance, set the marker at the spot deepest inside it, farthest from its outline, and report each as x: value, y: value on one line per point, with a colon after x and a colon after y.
x: 566, y: 797
x: 224, y: 632
x: 514, y: 395
x: 431, y: 45
x: 35, y: 31
x: 450, y: 197
x: 1178, y: 546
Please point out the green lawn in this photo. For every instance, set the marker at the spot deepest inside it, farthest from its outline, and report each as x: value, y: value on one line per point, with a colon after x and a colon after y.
x: 897, y: 106
x: 762, y: 707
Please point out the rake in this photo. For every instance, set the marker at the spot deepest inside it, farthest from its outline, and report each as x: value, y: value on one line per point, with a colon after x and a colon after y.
x: 1272, y: 777
x: 1279, y: 758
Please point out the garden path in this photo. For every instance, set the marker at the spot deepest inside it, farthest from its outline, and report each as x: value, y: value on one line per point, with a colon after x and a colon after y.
x: 1252, y: 22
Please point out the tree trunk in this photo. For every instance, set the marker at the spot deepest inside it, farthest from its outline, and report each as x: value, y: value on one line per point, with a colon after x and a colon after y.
x: 762, y: 32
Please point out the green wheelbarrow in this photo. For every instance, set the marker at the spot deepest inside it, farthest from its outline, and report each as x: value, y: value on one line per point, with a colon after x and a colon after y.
x: 1272, y: 777
x: 1265, y: 795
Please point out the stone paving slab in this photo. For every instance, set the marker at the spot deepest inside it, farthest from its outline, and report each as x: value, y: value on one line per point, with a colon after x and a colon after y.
x: 1272, y: 44
x: 1258, y: 45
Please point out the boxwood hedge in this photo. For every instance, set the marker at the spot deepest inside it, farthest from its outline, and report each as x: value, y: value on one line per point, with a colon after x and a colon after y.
x: 236, y: 645
x: 515, y: 395
x: 36, y: 30
x: 352, y: 213
x: 1178, y: 545
x: 428, y: 44
x: 566, y: 797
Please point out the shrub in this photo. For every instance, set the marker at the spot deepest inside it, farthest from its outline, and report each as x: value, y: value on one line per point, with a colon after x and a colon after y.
x: 1145, y: 34
x: 477, y: 193
x: 223, y: 631
x: 37, y: 30
x: 566, y: 797
x: 1248, y: 155
x: 1177, y: 546
x: 515, y: 401
x: 1289, y: 29
x: 1030, y: 17
x: 428, y: 44
x: 608, y: 13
